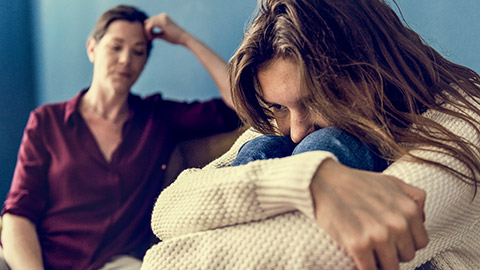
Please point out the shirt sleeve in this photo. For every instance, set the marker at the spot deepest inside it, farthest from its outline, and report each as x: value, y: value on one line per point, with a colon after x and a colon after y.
x: 197, y: 119
x: 214, y: 197
x: 28, y: 191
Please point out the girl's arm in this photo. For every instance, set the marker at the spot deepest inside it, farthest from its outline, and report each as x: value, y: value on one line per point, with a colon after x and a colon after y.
x: 236, y: 196
x: 219, y: 195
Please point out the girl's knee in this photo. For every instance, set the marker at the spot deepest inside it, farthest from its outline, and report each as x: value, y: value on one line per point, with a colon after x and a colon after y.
x: 264, y: 147
x: 268, y: 143
x: 325, y: 139
x: 347, y: 148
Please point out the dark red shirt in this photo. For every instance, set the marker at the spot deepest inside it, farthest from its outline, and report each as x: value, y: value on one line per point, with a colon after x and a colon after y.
x: 87, y: 209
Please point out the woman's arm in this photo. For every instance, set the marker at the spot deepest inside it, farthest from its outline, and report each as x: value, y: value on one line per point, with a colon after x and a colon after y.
x: 21, y: 247
x: 215, y: 65
x: 26, y: 198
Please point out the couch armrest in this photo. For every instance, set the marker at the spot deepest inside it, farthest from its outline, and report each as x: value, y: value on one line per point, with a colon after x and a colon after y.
x: 197, y: 153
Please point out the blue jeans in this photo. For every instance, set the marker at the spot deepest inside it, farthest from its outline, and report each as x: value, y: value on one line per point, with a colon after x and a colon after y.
x: 349, y: 150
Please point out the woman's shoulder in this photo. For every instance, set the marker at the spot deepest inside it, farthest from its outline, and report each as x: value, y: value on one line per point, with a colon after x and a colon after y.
x: 50, y: 114
x: 50, y: 109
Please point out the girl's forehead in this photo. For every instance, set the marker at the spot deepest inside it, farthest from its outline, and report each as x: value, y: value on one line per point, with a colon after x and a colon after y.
x: 280, y: 82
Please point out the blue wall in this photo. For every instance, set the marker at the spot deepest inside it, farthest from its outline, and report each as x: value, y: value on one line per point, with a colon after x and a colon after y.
x: 16, y: 83
x: 43, y: 59
x: 451, y: 27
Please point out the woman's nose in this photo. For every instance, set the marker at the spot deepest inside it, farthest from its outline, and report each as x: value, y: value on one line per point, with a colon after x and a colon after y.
x: 124, y: 57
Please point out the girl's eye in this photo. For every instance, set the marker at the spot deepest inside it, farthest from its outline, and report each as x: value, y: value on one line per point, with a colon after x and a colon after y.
x: 276, y: 107
x: 116, y: 48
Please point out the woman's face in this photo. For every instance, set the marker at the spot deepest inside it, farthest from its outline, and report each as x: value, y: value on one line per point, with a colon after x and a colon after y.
x: 119, y: 57
x: 280, y: 83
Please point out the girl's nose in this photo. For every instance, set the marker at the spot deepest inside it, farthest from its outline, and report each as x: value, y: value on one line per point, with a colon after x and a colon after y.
x: 300, y: 127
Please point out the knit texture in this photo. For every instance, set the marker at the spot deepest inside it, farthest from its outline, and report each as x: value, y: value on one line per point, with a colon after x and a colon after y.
x: 260, y: 216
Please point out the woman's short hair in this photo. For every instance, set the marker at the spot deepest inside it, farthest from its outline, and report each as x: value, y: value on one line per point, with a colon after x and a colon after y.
x: 121, y: 12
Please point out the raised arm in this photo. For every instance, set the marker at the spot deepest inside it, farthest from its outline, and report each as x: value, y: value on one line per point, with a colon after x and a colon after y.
x: 213, y: 63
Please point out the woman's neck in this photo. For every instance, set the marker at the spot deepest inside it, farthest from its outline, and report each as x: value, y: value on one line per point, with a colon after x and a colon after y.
x: 109, y: 106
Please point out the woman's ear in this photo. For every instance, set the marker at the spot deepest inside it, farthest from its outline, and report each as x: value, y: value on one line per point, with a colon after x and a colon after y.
x: 91, y: 49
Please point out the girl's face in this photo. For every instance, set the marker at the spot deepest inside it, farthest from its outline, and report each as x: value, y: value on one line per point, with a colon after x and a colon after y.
x: 119, y: 57
x: 280, y: 83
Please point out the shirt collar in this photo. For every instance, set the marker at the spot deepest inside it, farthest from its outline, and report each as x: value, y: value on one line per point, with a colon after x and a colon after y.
x: 73, y: 105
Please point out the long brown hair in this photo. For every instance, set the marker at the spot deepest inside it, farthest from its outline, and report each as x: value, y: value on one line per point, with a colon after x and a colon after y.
x: 366, y: 72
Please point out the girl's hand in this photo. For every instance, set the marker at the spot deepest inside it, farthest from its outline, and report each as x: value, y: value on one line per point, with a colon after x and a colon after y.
x: 377, y: 219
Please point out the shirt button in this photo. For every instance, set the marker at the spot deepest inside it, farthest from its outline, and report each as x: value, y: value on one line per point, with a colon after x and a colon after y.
x: 164, y: 166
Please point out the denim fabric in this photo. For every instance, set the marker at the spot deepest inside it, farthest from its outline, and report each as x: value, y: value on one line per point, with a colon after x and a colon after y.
x: 264, y: 147
x: 349, y: 150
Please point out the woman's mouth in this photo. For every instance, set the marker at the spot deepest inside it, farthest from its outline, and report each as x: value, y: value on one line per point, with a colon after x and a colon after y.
x: 124, y: 74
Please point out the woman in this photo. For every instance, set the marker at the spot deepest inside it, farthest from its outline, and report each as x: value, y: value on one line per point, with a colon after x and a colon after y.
x: 89, y: 169
x: 352, y: 64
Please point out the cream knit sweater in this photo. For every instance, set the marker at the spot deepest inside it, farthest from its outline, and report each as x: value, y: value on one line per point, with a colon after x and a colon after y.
x: 260, y: 215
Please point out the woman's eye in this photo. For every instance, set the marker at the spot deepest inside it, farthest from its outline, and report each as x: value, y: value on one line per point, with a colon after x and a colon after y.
x: 116, y: 48
x: 139, y: 53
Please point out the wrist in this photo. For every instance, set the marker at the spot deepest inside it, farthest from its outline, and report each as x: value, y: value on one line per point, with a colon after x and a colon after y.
x: 188, y: 40
x: 324, y: 172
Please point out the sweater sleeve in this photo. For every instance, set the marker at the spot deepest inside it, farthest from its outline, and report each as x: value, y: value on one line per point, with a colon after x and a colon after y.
x: 219, y: 195
x: 451, y: 209
x: 287, y: 241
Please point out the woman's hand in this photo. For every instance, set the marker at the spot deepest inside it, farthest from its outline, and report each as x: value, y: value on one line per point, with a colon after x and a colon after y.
x: 161, y: 26
x: 171, y: 32
x: 377, y: 219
